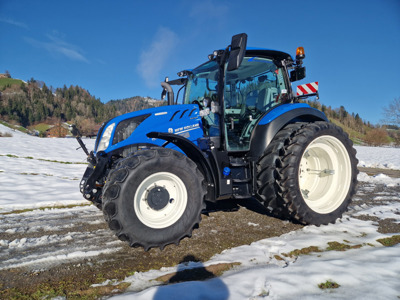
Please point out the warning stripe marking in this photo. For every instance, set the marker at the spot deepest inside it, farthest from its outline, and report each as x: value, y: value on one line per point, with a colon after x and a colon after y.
x: 308, y: 88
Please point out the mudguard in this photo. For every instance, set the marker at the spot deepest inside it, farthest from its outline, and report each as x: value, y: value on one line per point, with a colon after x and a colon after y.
x: 276, y: 119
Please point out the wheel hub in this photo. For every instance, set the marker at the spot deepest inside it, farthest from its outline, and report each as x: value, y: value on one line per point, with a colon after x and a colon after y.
x: 158, y: 198
x: 324, y: 174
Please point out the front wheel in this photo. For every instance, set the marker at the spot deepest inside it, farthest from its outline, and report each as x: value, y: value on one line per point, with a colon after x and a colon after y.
x: 154, y: 198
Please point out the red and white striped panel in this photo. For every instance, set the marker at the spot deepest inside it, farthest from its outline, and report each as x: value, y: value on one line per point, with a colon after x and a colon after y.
x: 308, y: 88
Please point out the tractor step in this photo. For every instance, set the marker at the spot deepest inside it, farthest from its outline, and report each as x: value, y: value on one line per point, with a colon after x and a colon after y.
x: 241, y: 180
x: 238, y: 162
x: 245, y: 196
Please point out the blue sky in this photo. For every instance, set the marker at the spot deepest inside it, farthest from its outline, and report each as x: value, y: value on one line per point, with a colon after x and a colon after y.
x: 119, y: 49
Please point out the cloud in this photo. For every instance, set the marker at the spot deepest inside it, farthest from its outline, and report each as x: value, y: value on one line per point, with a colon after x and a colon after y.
x: 153, y: 59
x: 210, y: 12
x: 57, y: 46
x: 14, y: 23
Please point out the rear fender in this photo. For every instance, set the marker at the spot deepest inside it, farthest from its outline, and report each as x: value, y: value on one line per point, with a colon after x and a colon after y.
x: 278, y: 118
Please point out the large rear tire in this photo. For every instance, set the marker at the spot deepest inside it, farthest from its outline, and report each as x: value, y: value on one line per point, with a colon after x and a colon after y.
x: 315, y: 173
x: 154, y: 198
x: 267, y: 172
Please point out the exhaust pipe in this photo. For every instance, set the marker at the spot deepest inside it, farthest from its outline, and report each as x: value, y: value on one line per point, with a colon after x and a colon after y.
x: 167, y: 88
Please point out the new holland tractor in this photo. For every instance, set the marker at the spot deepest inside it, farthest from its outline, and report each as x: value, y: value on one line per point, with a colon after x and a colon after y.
x: 238, y: 132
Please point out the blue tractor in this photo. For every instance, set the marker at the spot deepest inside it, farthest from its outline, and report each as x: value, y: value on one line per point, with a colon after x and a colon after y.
x: 239, y: 133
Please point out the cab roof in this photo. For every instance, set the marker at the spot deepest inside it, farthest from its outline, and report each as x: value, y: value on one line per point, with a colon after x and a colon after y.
x: 275, y: 54
x: 250, y: 51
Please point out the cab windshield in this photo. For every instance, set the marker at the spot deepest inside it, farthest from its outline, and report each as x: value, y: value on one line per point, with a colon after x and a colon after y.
x: 202, y: 82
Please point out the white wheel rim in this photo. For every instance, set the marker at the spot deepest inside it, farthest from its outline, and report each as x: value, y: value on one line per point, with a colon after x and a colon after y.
x: 325, y: 174
x: 169, y: 214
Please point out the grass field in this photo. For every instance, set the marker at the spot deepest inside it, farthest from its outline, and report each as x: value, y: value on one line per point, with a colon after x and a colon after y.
x: 9, y: 81
x: 16, y: 127
x: 42, y: 127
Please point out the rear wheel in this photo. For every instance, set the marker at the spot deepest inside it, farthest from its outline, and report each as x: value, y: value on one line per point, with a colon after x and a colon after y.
x: 267, y: 172
x: 315, y: 173
x: 154, y: 198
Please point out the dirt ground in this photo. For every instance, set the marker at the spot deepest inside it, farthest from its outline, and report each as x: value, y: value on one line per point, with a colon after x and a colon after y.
x: 49, y: 269
x: 373, y: 171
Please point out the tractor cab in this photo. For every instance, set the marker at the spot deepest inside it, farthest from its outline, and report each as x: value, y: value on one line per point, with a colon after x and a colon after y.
x: 232, y: 105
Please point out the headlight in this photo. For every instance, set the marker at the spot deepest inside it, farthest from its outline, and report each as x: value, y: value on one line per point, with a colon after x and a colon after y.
x: 105, y: 139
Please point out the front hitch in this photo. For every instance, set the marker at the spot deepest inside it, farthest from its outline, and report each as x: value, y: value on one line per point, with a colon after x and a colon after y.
x: 83, y: 146
x: 76, y: 133
x: 93, y: 173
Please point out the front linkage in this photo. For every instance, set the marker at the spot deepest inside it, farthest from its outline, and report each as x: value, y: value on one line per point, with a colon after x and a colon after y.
x: 91, y: 183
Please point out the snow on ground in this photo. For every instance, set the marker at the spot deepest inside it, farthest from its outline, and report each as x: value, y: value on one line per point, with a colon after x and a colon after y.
x: 371, y: 272
x: 23, y: 145
x: 378, y: 157
x: 37, y: 172
x: 32, y: 174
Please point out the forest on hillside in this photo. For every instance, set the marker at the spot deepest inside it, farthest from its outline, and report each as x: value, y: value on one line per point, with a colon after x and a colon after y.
x: 360, y: 131
x: 32, y: 102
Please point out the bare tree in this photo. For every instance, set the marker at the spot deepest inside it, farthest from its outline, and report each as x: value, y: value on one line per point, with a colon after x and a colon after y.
x: 392, y: 112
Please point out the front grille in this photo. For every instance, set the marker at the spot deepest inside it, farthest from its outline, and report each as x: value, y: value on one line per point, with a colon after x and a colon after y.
x: 125, y: 128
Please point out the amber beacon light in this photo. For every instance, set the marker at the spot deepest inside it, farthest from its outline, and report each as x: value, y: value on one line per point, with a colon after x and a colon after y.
x: 300, y: 53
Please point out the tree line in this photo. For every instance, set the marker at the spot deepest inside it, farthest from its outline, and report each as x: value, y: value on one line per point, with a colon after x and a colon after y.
x: 33, y: 102
x: 30, y: 103
x: 359, y: 130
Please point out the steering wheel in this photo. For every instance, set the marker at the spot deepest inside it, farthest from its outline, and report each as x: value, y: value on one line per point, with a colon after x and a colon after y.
x: 198, y: 103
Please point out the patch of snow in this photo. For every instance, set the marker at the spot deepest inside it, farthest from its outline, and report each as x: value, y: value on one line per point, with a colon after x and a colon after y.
x: 46, y: 260
x: 380, y: 178
x: 253, y: 224
x: 378, y: 157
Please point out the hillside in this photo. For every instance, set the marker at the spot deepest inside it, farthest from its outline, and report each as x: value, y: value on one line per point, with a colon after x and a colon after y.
x: 32, y: 103
x: 360, y: 131
x: 133, y: 104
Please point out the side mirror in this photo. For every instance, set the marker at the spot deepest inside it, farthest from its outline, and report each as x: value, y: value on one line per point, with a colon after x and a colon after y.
x: 298, y: 73
x: 163, y: 94
x: 238, y: 49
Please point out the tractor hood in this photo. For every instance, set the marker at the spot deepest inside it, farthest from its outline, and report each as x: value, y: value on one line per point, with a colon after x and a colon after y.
x: 130, y: 130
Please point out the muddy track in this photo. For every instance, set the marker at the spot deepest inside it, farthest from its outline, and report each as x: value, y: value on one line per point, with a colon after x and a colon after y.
x: 68, y: 250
